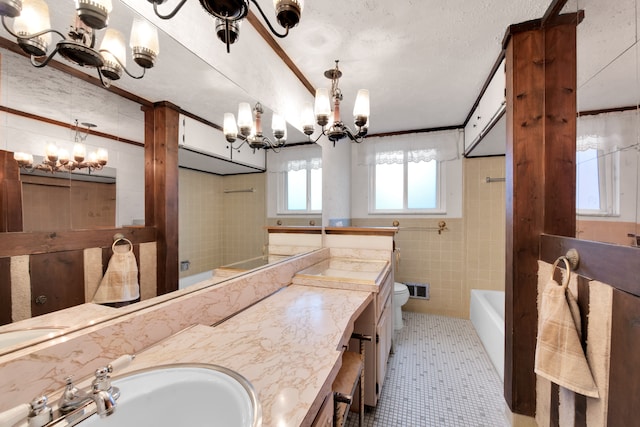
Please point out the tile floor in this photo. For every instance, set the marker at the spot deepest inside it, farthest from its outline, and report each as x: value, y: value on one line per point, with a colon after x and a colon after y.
x: 439, y: 375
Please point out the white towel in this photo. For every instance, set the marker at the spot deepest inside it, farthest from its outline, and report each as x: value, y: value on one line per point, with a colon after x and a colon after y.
x: 120, y: 281
x: 559, y: 355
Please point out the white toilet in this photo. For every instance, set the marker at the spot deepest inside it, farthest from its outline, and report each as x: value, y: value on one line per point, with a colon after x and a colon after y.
x: 400, y: 298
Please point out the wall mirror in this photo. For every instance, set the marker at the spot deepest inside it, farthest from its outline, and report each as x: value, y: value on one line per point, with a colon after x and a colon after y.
x: 608, y: 127
x: 40, y: 105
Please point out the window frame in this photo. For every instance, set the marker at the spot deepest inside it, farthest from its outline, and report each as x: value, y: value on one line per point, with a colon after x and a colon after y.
x: 440, y: 208
x: 609, y: 186
x: 283, y: 195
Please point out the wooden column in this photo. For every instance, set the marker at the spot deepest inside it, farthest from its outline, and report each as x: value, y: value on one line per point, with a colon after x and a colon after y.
x: 540, y: 182
x: 10, y: 193
x: 161, y: 188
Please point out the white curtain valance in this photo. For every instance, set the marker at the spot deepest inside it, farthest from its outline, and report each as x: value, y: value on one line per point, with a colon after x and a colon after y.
x: 295, y: 158
x: 607, y: 132
x: 418, y: 147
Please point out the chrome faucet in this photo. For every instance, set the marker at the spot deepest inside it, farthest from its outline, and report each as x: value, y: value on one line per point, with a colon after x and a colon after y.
x: 74, y: 404
x: 102, y: 393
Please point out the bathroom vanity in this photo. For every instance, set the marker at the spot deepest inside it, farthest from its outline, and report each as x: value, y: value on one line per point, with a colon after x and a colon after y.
x: 375, y: 277
x: 284, y: 327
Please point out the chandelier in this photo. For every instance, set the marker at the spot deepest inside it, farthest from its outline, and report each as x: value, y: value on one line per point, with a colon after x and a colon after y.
x: 228, y: 15
x: 330, y: 121
x: 251, y: 128
x: 58, y: 159
x: 31, y: 28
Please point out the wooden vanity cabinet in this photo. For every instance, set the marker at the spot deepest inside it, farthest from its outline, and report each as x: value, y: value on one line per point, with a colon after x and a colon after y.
x: 376, y: 321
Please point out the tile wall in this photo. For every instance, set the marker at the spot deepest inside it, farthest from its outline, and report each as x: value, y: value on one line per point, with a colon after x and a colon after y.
x: 469, y: 254
x: 485, y: 226
x: 218, y: 228
x: 245, y: 214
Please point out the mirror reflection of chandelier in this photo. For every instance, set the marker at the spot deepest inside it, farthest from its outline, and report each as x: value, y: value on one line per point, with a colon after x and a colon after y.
x: 251, y: 128
x: 230, y: 13
x: 329, y: 119
x: 59, y: 159
x: 31, y: 28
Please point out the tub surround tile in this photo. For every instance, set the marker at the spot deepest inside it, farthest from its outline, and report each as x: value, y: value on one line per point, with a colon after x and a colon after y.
x: 288, y: 346
x: 42, y: 368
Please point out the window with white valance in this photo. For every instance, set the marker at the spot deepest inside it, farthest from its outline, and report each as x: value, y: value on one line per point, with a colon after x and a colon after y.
x: 407, y: 171
x: 299, y: 172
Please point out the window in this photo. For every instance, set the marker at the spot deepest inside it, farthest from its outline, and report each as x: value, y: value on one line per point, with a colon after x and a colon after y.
x: 303, y: 189
x: 597, y: 182
x: 403, y: 181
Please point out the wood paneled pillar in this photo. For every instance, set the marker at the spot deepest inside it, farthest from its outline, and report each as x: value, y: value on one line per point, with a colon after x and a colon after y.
x: 161, y: 188
x: 540, y: 182
x: 10, y: 193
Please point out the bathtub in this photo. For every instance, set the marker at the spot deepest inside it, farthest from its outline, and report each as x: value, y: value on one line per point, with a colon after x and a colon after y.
x: 487, y: 316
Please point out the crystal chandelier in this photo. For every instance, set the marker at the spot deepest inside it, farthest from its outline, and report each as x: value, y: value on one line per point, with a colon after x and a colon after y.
x: 31, y: 28
x: 229, y: 14
x: 251, y: 128
x: 59, y: 159
x: 328, y: 119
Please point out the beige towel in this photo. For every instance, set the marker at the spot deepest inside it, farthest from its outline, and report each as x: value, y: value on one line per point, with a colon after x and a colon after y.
x: 559, y: 355
x: 120, y: 281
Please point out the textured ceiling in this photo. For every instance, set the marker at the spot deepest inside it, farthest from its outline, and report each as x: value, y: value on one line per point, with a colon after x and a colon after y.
x: 424, y: 61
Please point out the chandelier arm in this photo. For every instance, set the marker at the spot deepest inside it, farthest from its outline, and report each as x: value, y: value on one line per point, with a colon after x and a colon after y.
x: 123, y: 67
x: 171, y: 14
x: 46, y: 61
x: 105, y: 82
x: 273, y: 31
x: 322, y: 133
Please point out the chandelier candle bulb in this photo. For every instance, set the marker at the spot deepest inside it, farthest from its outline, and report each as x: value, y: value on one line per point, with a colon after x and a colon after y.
x: 79, y: 153
x: 323, y: 106
x: 94, y: 13
x: 114, y: 54
x: 144, y: 42
x: 63, y: 156
x: 33, y: 19
x: 278, y: 126
x: 103, y: 156
x: 361, y: 108
x: 308, y: 119
x: 245, y: 120
x: 51, y: 152
x: 230, y: 128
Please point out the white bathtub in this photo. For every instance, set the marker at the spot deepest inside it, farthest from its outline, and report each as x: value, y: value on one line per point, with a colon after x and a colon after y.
x: 487, y: 316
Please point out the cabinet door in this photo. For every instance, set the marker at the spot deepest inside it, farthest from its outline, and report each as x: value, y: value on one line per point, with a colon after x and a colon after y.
x: 385, y: 333
x: 200, y: 137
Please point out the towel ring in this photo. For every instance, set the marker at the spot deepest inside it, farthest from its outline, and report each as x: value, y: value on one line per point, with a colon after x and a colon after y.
x: 567, y: 265
x: 121, y: 239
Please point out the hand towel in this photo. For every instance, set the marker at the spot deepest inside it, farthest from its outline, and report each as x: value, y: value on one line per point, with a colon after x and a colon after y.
x: 120, y: 281
x: 559, y: 355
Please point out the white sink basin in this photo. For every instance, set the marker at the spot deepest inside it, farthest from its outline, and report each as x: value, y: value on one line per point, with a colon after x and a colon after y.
x: 183, y: 395
x: 11, y: 338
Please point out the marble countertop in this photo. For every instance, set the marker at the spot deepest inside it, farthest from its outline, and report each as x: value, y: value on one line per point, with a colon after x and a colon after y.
x: 288, y: 346
x: 345, y: 273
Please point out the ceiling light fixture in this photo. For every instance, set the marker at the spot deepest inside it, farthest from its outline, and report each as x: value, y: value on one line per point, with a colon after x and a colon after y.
x: 229, y: 14
x: 251, y: 128
x: 329, y: 120
x: 58, y: 159
x: 31, y: 28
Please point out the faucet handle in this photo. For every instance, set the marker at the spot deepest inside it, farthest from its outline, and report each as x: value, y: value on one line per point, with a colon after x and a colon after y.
x: 40, y: 413
x: 70, y: 397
